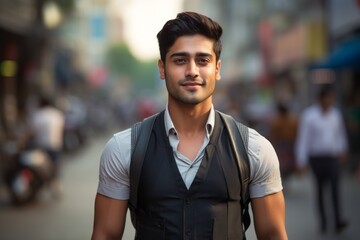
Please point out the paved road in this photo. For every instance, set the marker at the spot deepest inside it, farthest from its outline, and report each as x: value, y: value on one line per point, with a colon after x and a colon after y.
x: 70, y: 218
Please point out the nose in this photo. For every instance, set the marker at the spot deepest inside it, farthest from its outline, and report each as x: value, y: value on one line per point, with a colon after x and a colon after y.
x: 192, y: 70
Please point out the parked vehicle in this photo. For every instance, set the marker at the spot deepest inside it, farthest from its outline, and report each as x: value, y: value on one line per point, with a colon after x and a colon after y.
x: 25, y: 173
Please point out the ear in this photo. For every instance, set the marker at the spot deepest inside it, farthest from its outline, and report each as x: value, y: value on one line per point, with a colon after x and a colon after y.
x: 217, y: 70
x: 161, y: 67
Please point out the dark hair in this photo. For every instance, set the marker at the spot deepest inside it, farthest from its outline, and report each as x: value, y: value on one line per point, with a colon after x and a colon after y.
x: 189, y: 23
x: 282, y: 108
x: 45, y: 101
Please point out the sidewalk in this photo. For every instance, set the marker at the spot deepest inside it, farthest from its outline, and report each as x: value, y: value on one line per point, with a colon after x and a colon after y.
x: 301, y: 212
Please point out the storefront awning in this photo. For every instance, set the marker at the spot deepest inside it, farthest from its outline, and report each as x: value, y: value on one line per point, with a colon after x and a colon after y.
x: 346, y: 55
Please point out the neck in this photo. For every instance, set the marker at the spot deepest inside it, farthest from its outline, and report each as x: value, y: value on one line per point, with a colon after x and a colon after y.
x: 325, y: 108
x: 189, y: 118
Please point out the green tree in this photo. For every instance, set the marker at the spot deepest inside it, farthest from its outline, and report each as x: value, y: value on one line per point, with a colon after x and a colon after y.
x: 121, y: 61
x: 65, y: 5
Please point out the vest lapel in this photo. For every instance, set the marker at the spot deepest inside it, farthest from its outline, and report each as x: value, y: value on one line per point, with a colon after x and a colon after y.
x: 164, y: 139
x: 208, y: 156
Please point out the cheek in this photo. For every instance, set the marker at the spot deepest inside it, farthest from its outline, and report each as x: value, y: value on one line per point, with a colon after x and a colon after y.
x: 210, y: 74
x: 174, y: 74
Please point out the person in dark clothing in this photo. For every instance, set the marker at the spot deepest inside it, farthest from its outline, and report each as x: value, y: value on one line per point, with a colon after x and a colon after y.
x: 182, y: 190
x: 283, y: 131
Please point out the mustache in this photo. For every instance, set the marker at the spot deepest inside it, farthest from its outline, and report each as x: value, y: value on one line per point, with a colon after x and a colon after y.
x: 192, y: 80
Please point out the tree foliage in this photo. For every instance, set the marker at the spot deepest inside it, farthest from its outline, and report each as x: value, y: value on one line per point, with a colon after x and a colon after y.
x: 121, y: 61
x: 65, y: 5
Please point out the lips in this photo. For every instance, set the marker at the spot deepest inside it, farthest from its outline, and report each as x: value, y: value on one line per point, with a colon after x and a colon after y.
x: 190, y: 84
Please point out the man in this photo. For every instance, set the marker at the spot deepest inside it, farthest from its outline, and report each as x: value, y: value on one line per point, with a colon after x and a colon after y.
x: 283, y: 130
x: 182, y: 191
x: 47, y: 127
x: 322, y: 143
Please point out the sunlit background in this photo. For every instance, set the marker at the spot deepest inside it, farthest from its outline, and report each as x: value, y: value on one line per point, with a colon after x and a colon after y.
x: 98, y: 59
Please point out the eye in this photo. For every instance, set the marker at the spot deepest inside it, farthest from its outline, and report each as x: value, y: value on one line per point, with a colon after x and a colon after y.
x: 179, y: 61
x: 203, y: 61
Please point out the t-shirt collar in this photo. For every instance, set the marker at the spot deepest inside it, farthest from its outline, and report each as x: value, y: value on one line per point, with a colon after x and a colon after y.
x: 170, y: 128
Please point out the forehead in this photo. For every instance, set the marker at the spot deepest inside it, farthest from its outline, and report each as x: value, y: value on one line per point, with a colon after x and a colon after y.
x: 192, y: 45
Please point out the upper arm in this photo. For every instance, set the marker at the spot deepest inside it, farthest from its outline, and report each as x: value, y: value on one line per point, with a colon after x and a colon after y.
x: 111, y: 201
x: 265, y: 175
x: 110, y: 217
x: 114, y: 168
x: 269, y: 216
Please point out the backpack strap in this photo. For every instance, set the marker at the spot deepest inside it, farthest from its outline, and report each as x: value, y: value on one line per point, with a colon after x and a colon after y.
x: 239, y: 138
x: 138, y: 151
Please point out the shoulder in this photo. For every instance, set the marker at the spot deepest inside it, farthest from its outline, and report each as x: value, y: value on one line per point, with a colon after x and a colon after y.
x: 336, y: 111
x: 118, y: 148
x: 258, y: 145
x: 311, y: 111
x: 52, y: 112
x: 310, y: 114
x: 120, y: 141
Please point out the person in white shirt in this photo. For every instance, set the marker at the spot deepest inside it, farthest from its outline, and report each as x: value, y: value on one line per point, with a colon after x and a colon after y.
x: 47, y: 127
x: 322, y: 144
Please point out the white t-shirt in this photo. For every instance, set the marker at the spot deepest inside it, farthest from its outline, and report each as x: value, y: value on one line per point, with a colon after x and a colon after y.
x: 114, y: 174
x: 48, y: 126
x: 320, y: 133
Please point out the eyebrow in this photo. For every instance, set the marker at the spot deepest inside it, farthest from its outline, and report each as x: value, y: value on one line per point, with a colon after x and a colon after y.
x: 186, y: 54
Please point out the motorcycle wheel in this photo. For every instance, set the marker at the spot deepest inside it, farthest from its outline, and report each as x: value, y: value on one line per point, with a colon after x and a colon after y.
x: 24, y: 186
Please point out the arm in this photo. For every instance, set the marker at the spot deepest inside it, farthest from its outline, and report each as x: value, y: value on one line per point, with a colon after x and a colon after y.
x: 113, y: 190
x: 110, y: 218
x: 269, y: 217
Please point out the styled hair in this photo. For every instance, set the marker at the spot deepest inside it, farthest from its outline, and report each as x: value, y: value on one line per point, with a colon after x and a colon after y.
x: 187, y: 24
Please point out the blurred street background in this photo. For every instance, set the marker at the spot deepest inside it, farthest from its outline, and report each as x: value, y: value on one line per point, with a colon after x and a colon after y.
x: 97, y: 60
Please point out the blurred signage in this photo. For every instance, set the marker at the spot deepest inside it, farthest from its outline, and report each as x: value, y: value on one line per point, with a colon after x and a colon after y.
x: 98, y: 76
x: 9, y: 65
x: 302, y: 43
x: 17, y: 15
x: 316, y: 40
x: 289, y: 47
x: 97, y: 26
x: 8, y: 68
x: 265, y: 36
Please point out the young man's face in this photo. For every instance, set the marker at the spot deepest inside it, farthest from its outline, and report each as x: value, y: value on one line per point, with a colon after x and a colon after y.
x: 328, y: 100
x: 191, y: 70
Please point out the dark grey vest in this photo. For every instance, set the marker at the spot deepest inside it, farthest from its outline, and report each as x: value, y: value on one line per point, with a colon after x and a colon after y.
x: 168, y: 210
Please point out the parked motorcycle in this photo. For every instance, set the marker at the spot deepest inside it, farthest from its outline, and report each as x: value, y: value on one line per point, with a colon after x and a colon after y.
x: 27, y: 172
x: 35, y: 169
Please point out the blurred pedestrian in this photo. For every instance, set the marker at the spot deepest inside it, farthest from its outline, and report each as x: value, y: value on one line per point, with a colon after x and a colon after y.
x: 182, y: 188
x: 283, y: 131
x: 47, y: 128
x: 322, y: 143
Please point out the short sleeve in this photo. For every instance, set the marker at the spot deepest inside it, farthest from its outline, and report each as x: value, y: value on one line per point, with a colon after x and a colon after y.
x: 114, y: 166
x: 264, y: 166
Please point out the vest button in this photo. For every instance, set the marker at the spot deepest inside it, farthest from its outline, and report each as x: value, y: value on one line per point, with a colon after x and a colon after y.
x: 187, y: 202
x: 188, y: 233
